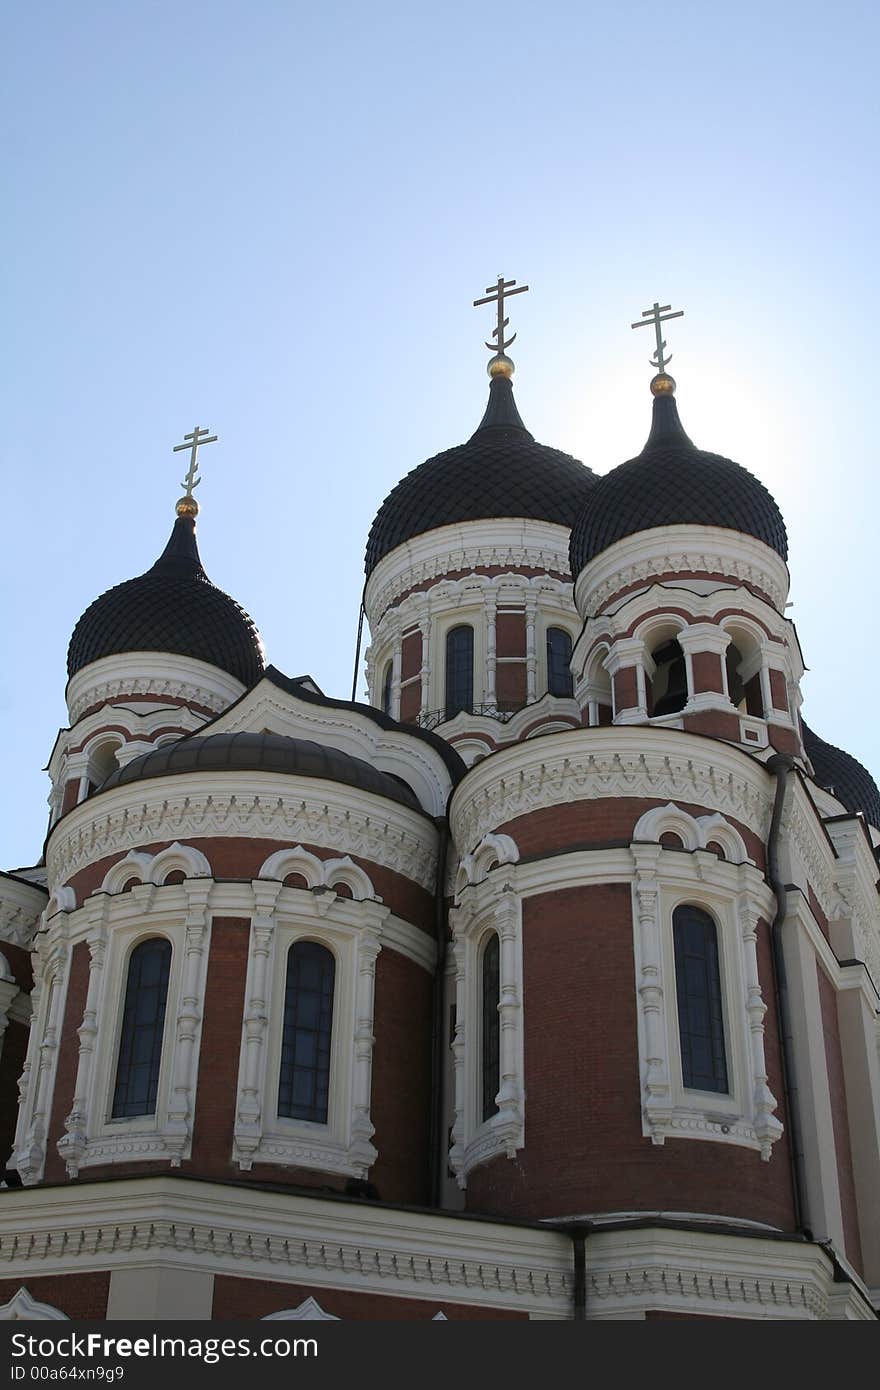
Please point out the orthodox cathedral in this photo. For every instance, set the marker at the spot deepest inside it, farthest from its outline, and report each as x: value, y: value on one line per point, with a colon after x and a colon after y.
x: 543, y: 985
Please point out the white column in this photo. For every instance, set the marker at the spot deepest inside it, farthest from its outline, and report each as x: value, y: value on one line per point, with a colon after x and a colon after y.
x: 459, y: 919
x: 249, y: 1110
x: 507, y: 919
x: 396, y: 662
x: 656, y: 1089
x: 490, y: 604
x: 767, y: 1127
x: 362, y: 1151
x: 531, y: 651
x: 425, y: 627
x: 72, y: 1145
x: 181, y: 1103
x: 30, y: 1154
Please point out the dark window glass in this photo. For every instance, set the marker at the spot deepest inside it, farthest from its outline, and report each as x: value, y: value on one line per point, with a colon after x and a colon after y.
x: 698, y: 987
x: 559, y: 681
x: 304, y: 1084
x: 491, y: 1026
x: 459, y: 670
x: 386, y: 690
x: 669, y: 687
x: 143, y: 1023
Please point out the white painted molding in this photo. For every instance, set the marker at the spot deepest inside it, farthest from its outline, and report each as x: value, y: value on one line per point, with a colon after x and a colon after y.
x: 650, y: 763
x: 487, y: 543
x: 639, y: 558
x: 154, y: 868
x: 151, y: 673
x: 663, y: 880
x: 308, y: 1311
x: 353, y: 933
x: 259, y: 805
x: 319, y: 873
x: 695, y: 832
x: 398, y: 751
x: 22, y: 1308
x: 491, y: 852
x: 21, y: 906
x: 494, y: 907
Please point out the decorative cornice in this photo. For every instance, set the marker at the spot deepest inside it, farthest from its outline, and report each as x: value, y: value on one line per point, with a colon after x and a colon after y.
x: 20, y: 907
x: 249, y: 805
x: 588, y: 764
x: 486, y: 543
x: 662, y: 550
x: 151, y: 673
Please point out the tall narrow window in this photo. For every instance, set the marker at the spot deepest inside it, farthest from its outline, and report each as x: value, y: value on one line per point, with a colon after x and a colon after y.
x: 459, y: 670
x: 491, y: 1056
x: 669, y: 687
x: 304, y: 1083
x: 559, y: 681
x: 386, y: 688
x: 143, y: 1023
x: 698, y: 987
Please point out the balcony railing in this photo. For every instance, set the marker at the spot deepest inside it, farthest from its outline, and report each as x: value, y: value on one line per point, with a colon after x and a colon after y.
x: 432, y: 718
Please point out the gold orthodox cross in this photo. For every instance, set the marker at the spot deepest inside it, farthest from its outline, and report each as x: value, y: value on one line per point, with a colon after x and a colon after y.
x: 193, y: 442
x: 657, y: 315
x: 496, y: 294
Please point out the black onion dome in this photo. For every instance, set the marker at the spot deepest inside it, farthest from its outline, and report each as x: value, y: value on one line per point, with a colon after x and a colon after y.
x: 174, y: 607
x: 296, y: 757
x: 672, y: 483
x: 501, y: 471
x: 843, y: 776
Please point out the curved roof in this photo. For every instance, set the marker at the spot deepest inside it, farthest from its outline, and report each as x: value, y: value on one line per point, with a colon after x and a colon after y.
x: 843, y: 776
x: 296, y: 757
x: 174, y: 607
x: 500, y: 472
x: 672, y: 483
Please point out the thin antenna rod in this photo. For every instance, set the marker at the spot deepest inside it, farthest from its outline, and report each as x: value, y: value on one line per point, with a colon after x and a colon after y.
x: 357, y: 655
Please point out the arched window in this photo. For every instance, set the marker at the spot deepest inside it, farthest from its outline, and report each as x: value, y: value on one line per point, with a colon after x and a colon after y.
x: 143, y: 1023
x: 459, y: 670
x: 491, y: 1055
x: 559, y: 681
x: 698, y: 989
x: 669, y: 687
x: 386, y: 688
x: 304, y: 1083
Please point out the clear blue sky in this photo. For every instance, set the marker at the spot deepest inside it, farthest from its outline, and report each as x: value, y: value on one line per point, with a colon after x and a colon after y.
x: 271, y: 219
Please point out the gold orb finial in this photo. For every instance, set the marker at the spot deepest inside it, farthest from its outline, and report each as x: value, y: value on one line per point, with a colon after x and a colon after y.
x: 187, y: 506
x: 500, y: 365
x: 663, y: 385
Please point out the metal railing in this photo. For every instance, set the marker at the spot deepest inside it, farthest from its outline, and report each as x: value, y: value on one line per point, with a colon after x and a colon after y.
x: 432, y: 718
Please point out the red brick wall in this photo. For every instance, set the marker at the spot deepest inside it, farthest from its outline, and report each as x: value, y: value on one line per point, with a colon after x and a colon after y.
x: 220, y: 1048
x: 242, y: 858
x: 707, y: 671
x: 585, y: 824
x: 840, y: 1119
x: 510, y: 634
x: 401, y: 1078
x: 20, y: 964
x: 584, y: 1150
x: 778, y: 691
x: 510, y: 684
x: 255, y: 1298
x: 714, y: 724
x: 68, y: 1058
x: 411, y: 655
x: 626, y: 689
x: 80, y: 1296
x: 14, y: 1045
x: 410, y: 702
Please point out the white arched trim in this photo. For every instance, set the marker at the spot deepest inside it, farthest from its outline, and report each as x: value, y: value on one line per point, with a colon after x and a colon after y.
x: 62, y: 900
x: 155, y: 868
x: 22, y: 1308
x: 694, y: 832
x: 318, y: 873
x: 308, y: 1311
x: 492, y: 851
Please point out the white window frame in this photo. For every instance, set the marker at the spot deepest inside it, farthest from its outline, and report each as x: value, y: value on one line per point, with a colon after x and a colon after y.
x: 735, y: 896
x: 351, y: 930
x: 487, y: 904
